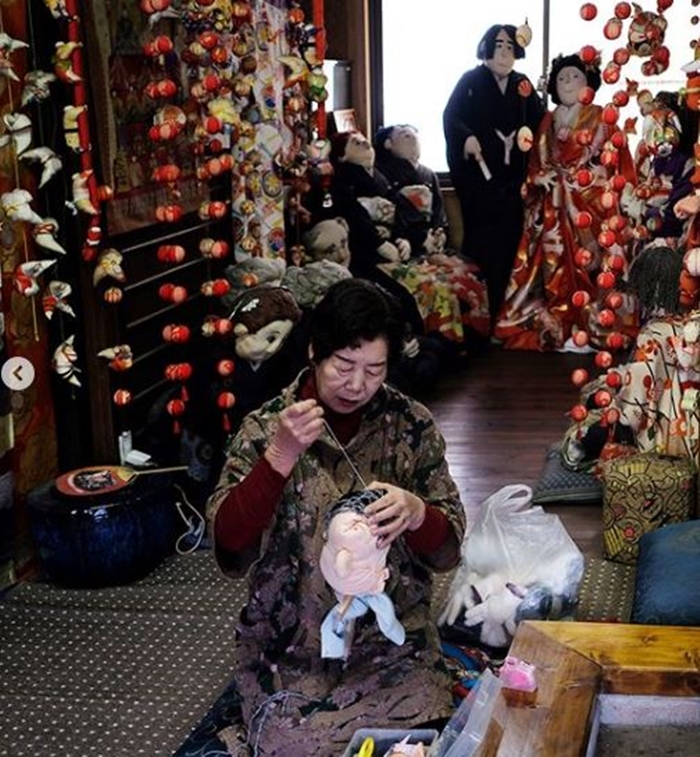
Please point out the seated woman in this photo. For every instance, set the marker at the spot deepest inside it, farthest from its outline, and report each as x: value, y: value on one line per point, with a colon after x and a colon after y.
x: 568, y: 202
x: 336, y: 429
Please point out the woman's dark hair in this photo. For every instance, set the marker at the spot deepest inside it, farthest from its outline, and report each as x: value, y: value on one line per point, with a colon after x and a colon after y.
x: 590, y: 70
x: 487, y: 44
x: 355, y: 310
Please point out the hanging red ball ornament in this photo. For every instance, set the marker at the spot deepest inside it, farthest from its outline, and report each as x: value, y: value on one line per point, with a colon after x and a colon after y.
x: 613, y: 379
x: 603, y: 359
x: 614, y: 300
x: 113, y: 295
x: 606, y: 280
x: 612, y: 28
x: 175, y: 408
x: 588, y: 11
x: 610, y: 115
x: 121, y: 397
x: 606, y: 238
x: 225, y: 367
x: 606, y: 318
x: 583, y: 219
x: 583, y: 257
x: 176, y: 333
x: 614, y: 341
x: 623, y: 10
x: 580, y: 338
x: 579, y: 376
x: 588, y: 54
x: 586, y: 95
x: 584, y: 176
x: 618, y: 182
x: 580, y: 299
x: 226, y: 400
x: 611, y: 73
x: 602, y: 398
x: 620, y: 98
x: 611, y: 416
x: 578, y: 413
x: 178, y: 371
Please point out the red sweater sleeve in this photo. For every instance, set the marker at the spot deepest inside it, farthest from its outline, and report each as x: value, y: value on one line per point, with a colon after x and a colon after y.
x: 248, y: 508
x: 431, y: 534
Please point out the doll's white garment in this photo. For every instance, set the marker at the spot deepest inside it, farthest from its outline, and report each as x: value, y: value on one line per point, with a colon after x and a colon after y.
x: 336, y: 633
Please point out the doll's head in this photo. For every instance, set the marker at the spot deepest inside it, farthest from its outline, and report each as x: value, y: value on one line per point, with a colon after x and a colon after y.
x: 263, y: 318
x: 352, y: 147
x: 351, y: 561
x: 662, y: 131
x: 328, y: 240
x: 499, y: 49
x: 568, y: 76
x: 655, y: 278
x: 400, y: 141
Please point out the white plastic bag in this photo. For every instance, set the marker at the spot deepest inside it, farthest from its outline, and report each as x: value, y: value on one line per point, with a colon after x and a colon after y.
x: 517, y: 562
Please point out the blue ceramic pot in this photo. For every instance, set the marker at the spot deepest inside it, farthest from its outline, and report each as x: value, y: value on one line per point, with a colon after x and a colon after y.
x: 103, y: 540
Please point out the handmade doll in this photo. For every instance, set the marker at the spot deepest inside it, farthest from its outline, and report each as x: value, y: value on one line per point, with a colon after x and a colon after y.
x: 489, y: 121
x: 568, y: 204
x: 355, y: 568
x: 262, y: 352
x: 667, y: 180
x: 413, y: 187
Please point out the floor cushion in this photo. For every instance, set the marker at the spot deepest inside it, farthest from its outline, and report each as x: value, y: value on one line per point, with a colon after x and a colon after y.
x: 642, y: 493
x: 667, y: 591
x: 557, y: 483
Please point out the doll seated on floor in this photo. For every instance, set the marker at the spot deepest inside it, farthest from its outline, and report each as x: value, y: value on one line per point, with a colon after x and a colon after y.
x: 413, y: 187
x: 441, y: 296
x: 355, y: 568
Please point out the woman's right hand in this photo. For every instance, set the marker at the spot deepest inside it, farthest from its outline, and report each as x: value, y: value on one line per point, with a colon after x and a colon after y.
x: 298, y: 428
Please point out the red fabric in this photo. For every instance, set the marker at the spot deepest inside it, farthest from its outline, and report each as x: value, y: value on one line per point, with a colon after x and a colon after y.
x: 432, y: 533
x: 248, y: 508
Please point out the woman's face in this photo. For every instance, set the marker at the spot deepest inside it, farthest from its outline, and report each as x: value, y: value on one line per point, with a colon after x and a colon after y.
x: 350, y: 377
x: 570, y: 80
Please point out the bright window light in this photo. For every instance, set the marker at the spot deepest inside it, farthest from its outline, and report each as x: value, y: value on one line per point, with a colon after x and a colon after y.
x: 426, y: 48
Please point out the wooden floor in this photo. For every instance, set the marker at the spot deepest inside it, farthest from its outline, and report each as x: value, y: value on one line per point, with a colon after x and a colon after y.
x: 499, y: 414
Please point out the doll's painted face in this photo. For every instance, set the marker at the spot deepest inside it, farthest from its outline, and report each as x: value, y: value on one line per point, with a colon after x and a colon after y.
x: 570, y: 81
x: 404, y: 143
x: 663, y: 134
x: 358, y: 150
x: 503, y: 58
x: 263, y: 343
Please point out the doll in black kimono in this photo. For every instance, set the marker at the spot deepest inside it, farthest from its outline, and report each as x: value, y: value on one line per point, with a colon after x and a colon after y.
x: 413, y: 187
x: 489, y: 122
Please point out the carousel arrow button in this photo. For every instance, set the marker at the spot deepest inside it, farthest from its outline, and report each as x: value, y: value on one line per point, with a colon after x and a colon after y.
x: 17, y: 373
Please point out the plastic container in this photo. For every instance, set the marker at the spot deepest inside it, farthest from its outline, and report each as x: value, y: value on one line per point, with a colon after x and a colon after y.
x: 385, y: 738
x: 485, y: 697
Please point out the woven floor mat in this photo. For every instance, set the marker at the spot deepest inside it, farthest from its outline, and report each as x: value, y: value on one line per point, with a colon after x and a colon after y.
x: 606, y: 592
x: 118, y: 671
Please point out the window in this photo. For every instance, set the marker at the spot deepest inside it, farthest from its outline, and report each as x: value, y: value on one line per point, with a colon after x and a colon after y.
x: 427, y: 46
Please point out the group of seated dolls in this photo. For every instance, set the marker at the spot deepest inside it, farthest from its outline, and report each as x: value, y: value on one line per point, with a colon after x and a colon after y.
x: 383, y: 216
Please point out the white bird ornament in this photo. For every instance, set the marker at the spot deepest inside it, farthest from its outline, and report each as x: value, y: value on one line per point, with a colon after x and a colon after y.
x: 49, y: 161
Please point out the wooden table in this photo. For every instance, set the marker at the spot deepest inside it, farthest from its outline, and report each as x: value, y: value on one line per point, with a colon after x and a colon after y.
x: 574, y: 663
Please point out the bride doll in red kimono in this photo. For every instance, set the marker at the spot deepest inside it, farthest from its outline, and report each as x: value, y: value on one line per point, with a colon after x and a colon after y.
x: 569, y: 200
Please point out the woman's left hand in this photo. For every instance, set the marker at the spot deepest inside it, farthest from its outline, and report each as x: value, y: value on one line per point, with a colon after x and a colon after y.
x: 395, y: 512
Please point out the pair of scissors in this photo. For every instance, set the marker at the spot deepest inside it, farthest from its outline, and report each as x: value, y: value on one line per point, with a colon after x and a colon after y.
x: 367, y: 748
